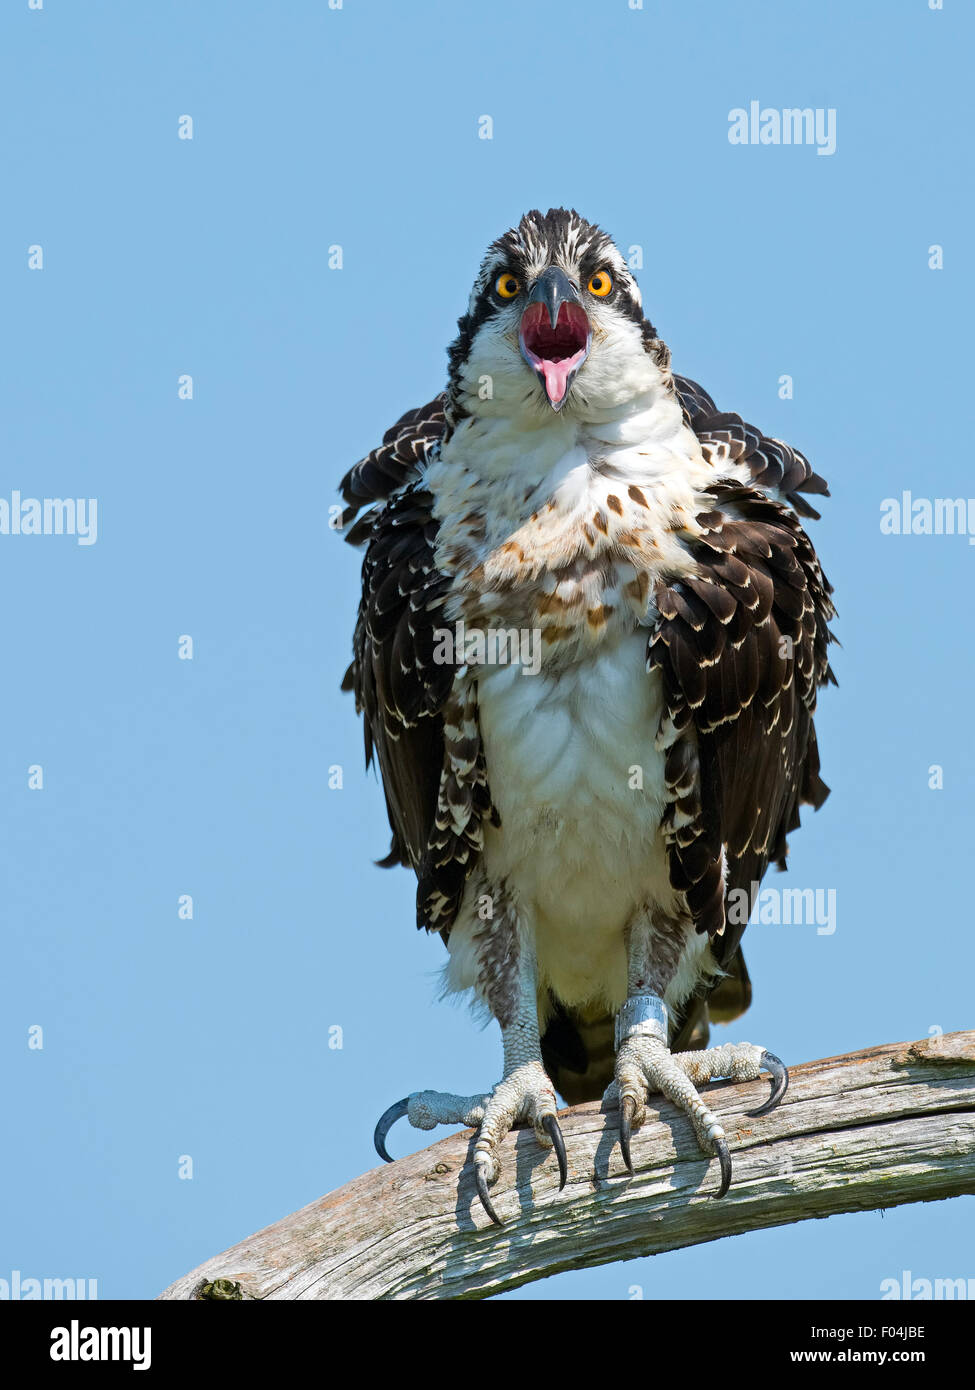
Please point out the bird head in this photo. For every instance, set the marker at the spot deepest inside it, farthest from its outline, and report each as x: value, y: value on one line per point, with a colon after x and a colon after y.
x: 555, y: 324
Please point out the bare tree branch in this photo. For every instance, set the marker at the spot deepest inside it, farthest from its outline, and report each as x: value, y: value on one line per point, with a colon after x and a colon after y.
x: 870, y: 1130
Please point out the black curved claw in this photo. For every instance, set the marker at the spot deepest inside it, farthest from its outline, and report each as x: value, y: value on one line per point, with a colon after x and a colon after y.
x: 551, y: 1127
x: 780, y: 1082
x: 386, y: 1122
x: 480, y: 1178
x: 627, y: 1111
x: 724, y: 1158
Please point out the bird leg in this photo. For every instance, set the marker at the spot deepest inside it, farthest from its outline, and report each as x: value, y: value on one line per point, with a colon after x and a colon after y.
x: 645, y: 1064
x: 524, y: 1095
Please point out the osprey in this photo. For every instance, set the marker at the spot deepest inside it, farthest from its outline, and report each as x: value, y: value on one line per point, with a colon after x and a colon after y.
x: 579, y: 821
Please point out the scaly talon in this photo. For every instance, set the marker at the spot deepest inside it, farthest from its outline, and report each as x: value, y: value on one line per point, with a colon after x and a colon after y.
x: 481, y: 1168
x: 551, y: 1127
x: 724, y: 1158
x: 524, y: 1095
x: 627, y: 1111
x: 386, y: 1121
x: 647, y: 1060
x: 780, y: 1082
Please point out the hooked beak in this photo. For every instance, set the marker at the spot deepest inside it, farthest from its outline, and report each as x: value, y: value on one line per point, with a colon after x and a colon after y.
x: 555, y: 334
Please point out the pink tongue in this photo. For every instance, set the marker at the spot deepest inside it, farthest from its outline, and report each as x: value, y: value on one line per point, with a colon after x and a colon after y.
x: 556, y: 375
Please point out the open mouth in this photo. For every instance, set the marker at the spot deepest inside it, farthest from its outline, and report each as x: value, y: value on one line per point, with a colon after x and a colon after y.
x: 556, y: 353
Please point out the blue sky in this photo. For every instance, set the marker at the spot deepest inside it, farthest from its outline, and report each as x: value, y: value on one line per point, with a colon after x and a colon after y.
x: 162, y: 777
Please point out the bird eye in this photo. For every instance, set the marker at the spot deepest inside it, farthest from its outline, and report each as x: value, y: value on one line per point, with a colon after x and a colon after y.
x: 600, y: 284
x: 507, y: 285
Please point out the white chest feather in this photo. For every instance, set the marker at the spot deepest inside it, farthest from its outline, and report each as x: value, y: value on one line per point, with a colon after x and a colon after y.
x: 580, y: 790
x: 566, y: 540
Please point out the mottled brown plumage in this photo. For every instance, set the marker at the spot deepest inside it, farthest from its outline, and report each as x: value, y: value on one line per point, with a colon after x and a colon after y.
x: 393, y: 674
x: 735, y: 693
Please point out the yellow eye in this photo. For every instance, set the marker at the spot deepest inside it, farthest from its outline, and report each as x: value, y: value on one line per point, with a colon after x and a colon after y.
x: 507, y: 285
x: 600, y: 284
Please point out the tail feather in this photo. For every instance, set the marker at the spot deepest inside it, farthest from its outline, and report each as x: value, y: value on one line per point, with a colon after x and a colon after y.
x: 578, y: 1050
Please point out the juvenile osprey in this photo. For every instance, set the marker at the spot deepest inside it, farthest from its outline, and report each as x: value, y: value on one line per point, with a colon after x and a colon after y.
x: 578, y: 822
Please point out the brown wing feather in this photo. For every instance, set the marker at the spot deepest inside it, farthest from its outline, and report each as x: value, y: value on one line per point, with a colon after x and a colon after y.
x: 742, y: 649
x: 421, y: 730
x: 771, y: 462
x: 396, y: 462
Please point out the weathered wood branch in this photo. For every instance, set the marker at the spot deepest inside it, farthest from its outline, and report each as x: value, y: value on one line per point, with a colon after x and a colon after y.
x: 870, y: 1130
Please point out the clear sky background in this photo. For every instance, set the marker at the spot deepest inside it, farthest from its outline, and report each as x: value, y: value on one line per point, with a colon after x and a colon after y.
x: 313, y: 127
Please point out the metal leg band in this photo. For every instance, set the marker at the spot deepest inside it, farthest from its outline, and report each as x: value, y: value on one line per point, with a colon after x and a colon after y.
x: 642, y: 1015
